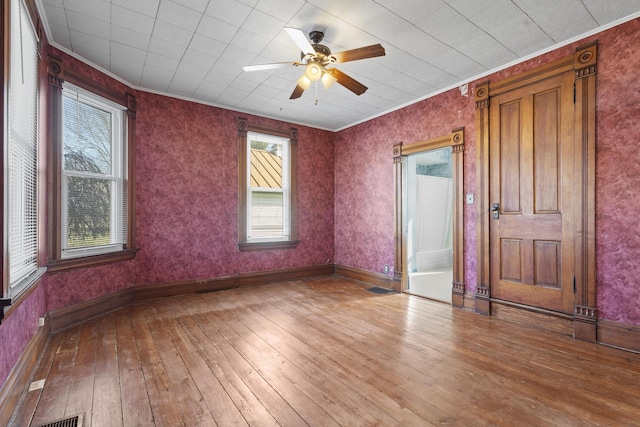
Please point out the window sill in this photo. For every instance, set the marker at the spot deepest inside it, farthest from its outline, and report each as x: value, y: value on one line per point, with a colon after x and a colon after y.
x: 267, y: 246
x: 58, y: 265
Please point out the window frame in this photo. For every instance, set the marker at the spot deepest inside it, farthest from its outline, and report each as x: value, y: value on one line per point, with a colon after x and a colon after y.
x: 13, y: 293
x: 57, y: 77
x: 285, y: 190
x: 116, y: 176
x: 258, y: 244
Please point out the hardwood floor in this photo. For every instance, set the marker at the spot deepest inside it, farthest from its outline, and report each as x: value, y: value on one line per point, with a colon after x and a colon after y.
x: 325, y: 352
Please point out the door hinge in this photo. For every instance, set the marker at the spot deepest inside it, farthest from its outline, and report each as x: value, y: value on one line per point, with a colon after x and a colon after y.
x: 574, y: 284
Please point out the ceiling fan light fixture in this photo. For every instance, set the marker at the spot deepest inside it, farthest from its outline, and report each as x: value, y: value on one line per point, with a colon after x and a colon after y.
x: 328, y: 80
x: 313, y: 71
x: 304, y: 82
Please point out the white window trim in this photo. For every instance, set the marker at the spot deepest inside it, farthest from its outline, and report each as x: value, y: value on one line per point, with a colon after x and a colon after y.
x: 286, y: 186
x: 117, y: 177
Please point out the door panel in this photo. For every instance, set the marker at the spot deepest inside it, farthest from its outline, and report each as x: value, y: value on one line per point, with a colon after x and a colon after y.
x: 531, y: 157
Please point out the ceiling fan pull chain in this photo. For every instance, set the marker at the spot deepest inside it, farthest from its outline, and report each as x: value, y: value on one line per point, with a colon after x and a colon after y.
x: 316, y: 93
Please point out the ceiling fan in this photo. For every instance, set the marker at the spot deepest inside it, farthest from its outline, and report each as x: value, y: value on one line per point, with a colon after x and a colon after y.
x: 317, y: 58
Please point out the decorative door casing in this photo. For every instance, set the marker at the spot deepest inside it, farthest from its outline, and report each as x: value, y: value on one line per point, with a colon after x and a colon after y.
x: 455, y: 140
x: 583, y: 65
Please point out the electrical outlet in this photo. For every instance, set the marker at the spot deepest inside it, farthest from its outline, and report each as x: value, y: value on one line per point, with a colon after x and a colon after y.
x: 386, y: 269
x: 40, y: 322
x: 36, y: 385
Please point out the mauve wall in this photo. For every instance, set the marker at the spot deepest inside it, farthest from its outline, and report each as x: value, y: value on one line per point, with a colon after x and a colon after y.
x: 187, y: 185
x: 364, y: 172
x: 365, y: 179
x: 17, y: 329
x: 618, y: 174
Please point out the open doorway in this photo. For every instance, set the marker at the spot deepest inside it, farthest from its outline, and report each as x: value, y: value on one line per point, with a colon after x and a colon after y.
x: 429, y: 220
x: 429, y: 224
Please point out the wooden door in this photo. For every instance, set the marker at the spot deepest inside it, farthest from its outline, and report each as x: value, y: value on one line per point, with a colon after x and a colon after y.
x: 532, y: 181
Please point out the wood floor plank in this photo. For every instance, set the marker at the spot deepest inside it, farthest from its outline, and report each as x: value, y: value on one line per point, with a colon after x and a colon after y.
x: 319, y: 389
x: 558, y: 375
x: 525, y: 409
x: 163, y: 408
x: 53, y: 401
x: 26, y: 410
x: 251, y: 407
x: 83, y: 377
x: 280, y: 409
x: 136, y: 407
x: 433, y: 403
x: 186, y: 395
x: 326, y: 351
x: 310, y: 411
x: 107, y: 404
x: 222, y: 408
x: 311, y: 345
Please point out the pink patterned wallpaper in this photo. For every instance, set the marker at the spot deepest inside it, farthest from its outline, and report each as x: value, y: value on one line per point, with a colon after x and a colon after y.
x: 364, y: 172
x: 365, y: 181
x: 71, y: 287
x: 618, y: 174
x: 18, y: 328
x: 187, y: 179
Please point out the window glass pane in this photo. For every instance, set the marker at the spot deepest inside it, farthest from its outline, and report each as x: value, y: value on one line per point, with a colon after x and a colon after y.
x: 94, y: 184
x: 87, y: 137
x: 266, y: 165
x: 88, y: 212
x: 268, y: 187
x: 267, y: 217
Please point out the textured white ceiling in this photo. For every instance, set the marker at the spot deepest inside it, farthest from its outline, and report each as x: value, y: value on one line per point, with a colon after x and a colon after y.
x: 195, y: 49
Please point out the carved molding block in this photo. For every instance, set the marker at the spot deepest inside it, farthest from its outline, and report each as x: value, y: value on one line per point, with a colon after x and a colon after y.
x: 243, y: 125
x: 482, y: 95
x: 132, y: 105
x: 482, y: 292
x: 397, y: 153
x: 586, y: 61
x: 458, y: 287
x: 585, y: 313
x: 293, y: 136
x: 54, y: 81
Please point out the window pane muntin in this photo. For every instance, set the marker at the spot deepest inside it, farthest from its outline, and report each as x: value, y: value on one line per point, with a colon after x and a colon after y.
x: 264, y: 181
x: 114, y: 152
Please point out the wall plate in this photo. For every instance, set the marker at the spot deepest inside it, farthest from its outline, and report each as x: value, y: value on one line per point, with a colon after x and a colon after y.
x: 36, y: 385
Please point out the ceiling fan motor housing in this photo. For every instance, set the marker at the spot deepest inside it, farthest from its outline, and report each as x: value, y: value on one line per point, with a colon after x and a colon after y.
x: 322, y: 53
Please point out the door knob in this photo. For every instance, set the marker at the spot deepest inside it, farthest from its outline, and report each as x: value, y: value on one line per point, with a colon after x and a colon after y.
x: 495, y: 210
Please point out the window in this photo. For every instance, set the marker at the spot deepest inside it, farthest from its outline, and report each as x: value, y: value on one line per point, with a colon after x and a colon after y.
x: 267, y: 192
x: 21, y: 155
x: 92, y: 210
x: 94, y: 174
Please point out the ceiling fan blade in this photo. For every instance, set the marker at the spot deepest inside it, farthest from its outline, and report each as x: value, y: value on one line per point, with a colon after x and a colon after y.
x: 359, y: 53
x: 348, y: 82
x: 297, y: 92
x: 269, y: 66
x: 300, y: 39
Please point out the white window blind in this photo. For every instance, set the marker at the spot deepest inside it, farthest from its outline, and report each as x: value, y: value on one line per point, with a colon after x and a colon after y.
x: 94, y: 174
x: 22, y: 159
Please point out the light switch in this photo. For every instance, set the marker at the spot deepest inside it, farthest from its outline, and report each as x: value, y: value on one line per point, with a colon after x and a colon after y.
x: 470, y: 199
